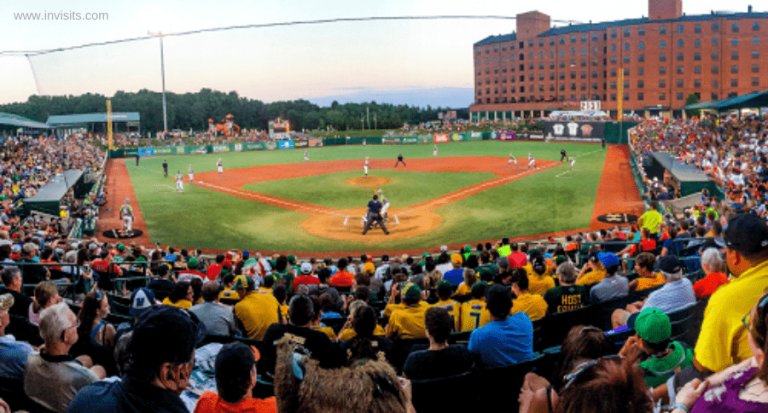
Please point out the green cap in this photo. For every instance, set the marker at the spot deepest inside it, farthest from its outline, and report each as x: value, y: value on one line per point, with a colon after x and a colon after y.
x: 141, y: 258
x: 444, y: 288
x: 653, y: 326
x: 479, y: 287
x: 120, y: 247
x: 560, y: 259
x: 411, y: 292
x: 243, y: 281
x: 291, y: 259
x: 467, y: 248
x: 192, y: 263
x: 425, y: 255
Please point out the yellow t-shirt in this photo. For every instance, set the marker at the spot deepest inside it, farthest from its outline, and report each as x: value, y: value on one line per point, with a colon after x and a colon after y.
x: 257, y: 312
x: 454, y: 310
x: 350, y: 333
x: 408, y: 322
x: 463, y: 289
x: 474, y: 315
x: 646, y: 283
x: 651, y: 220
x: 328, y: 332
x: 592, y: 277
x: 183, y: 304
x: 724, y: 341
x: 284, y: 311
x: 531, y: 304
x: 539, y: 284
x: 392, y: 307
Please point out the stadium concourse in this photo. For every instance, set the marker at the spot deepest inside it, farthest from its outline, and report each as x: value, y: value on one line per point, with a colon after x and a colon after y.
x: 678, y: 298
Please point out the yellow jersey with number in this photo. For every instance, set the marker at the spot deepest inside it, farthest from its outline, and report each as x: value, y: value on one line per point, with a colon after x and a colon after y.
x: 474, y: 315
x: 454, y: 310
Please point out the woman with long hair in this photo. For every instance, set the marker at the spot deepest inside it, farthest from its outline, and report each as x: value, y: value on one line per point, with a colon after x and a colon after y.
x: 365, y: 345
x: 46, y: 295
x: 181, y: 296
x: 470, y: 278
x: 92, y: 327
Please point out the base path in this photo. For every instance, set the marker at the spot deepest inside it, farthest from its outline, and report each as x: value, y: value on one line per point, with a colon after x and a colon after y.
x: 119, y: 188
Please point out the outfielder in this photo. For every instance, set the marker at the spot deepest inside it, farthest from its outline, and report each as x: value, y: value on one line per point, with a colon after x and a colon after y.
x: 191, y: 175
x: 434, y: 151
x: 306, y: 156
x: 531, y: 162
x: 220, y: 166
x: 180, y: 182
x: 365, y: 167
x: 512, y: 159
x: 126, y: 214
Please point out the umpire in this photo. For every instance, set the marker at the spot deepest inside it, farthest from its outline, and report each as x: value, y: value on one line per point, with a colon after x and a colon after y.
x: 374, y: 215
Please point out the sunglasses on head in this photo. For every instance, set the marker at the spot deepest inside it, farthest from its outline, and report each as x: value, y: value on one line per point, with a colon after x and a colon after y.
x: 747, y: 320
x: 584, y: 366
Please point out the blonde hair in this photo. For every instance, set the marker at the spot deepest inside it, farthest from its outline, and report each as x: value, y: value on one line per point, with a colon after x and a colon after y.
x: 431, y: 280
x: 44, y: 292
x: 470, y: 277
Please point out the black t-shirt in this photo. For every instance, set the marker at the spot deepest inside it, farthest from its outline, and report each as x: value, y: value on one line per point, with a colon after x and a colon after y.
x: 429, y: 364
x: 382, y: 346
x: 315, y: 343
x: 399, y: 157
x: 566, y: 298
x: 20, y: 303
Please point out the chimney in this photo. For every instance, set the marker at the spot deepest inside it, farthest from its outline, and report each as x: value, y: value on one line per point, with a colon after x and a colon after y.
x: 749, y: 9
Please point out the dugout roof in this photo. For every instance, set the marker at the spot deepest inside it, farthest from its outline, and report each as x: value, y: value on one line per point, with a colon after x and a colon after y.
x: 20, y: 121
x: 752, y: 100
x: 54, y: 191
x: 681, y: 171
x: 60, y: 121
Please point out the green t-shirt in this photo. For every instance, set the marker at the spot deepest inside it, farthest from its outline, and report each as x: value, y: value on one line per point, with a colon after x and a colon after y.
x: 284, y: 278
x: 659, y: 369
x: 566, y: 298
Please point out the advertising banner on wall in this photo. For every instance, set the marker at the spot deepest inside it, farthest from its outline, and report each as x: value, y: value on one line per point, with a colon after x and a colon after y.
x: 196, y: 150
x: 574, y: 129
x: 253, y: 146
x: 472, y: 136
x: 130, y: 152
x: 424, y: 139
x: 146, y: 152
x: 166, y: 150
x: 270, y: 145
x: 506, y: 136
x: 391, y: 140
x: 286, y: 144
x: 301, y: 144
x: 315, y: 142
x: 219, y: 148
x: 456, y: 137
x: 442, y: 138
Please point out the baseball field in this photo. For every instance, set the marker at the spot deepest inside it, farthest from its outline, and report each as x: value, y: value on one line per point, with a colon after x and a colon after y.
x: 275, y: 201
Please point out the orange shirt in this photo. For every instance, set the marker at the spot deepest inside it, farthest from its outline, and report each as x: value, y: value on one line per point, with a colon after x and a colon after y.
x: 342, y: 279
x: 210, y: 402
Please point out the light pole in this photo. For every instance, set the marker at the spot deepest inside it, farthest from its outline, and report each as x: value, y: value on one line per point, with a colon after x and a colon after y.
x: 162, y: 72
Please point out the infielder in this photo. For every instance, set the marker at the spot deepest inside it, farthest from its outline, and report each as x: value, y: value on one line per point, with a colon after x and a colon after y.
x: 220, y: 166
x: 512, y: 159
x: 400, y: 160
x: 365, y: 167
x: 531, y: 162
x: 434, y: 151
x: 573, y: 161
x: 126, y: 214
x: 191, y: 175
x: 179, y: 182
x: 563, y: 155
x: 306, y: 156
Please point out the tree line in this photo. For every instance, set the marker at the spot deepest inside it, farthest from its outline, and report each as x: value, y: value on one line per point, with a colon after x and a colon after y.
x: 192, y: 110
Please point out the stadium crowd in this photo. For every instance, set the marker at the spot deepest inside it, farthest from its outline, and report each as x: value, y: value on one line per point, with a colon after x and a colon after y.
x: 617, y: 320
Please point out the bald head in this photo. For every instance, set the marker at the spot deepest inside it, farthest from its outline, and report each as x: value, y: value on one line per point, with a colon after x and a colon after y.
x: 211, y: 291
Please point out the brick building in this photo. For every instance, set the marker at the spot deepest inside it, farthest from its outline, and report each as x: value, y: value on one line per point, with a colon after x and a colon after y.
x: 664, y: 58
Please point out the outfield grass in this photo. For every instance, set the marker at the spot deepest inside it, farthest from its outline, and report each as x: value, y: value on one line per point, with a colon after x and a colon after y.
x: 204, y: 218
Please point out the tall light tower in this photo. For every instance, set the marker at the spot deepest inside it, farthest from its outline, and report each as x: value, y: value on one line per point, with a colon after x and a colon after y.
x: 162, y: 73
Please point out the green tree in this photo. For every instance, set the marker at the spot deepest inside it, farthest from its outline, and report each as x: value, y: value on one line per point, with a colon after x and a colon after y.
x: 692, y: 99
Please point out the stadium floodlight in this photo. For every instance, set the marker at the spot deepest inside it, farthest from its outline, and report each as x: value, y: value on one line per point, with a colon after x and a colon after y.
x: 162, y: 73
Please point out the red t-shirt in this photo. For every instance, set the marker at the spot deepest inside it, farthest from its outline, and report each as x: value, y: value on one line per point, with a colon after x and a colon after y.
x: 188, y: 275
x: 517, y: 259
x: 342, y: 279
x: 102, y: 266
x: 213, y: 271
x: 709, y: 284
x: 303, y: 280
x: 210, y: 402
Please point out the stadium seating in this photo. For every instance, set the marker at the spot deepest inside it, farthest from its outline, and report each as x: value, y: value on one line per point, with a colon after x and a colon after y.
x: 446, y: 394
x: 500, y: 386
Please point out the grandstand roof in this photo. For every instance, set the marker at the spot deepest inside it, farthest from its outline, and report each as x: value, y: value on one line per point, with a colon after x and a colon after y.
x: 85, y: 118
x: 20, y: 121
x: 752, y: 100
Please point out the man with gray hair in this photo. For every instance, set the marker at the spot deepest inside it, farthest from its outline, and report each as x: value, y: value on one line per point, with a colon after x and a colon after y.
x: 676, y: 294
x: 567, y: 296
x: 713, y: 267
x: 52, y: 377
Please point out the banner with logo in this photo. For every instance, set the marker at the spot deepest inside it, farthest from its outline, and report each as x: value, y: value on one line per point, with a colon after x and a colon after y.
x: 253, y: 146
x: 130, y: 152
x: 456, y: 137
x: 288, y: 144
x: 180, y: 150
x: 237, y: 147
x: 301, y: 144
x: 424, y: 139
x: 391, y: 140
x: 315, y: 142
x: 197, y: 150
x: 476, y: 135
x: 441, y: 138
x: 219, y: 148
x: 165, y: 150
x: 574, y: 129
x: 270, y: 145
x: 506, y: 136
x: 410, y: 139
x: 146, y: 152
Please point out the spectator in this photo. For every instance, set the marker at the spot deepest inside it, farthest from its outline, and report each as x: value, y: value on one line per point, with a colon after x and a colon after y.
x: 507, y: 339
x: 316, y: 324
x: 162, y: 284
x: 13, y: 354
x: 713, y: 268
x: 46, y: 295
x: 470, y: 278
x: 348, y: 331
x: 298, y: 333
x: 474, y: 313
x: 441, y: 359
x: 486, y: 266
x: 456, y: 275
x: 282, y: 298
x: 722, y: 341
x: 32, y: 271
x: 408, y: 322
x: 644, y: 264
x: 301, y: 284
x: 592, y: 273
x: 323, y: 287
x: 181, y: 296
x: 502, y: 264
x: 283, y: 273
x: 531, y: 304
x: 197, y: 290
x: 236, y: 376
x: 676, y: 294
x: 567, y: 296
x: 539, y: 282
x: 213, y: 271
x: 255, y: 312
x: 142, y: 299
x: 162, y: 353
x: 192, y: 273
x: 216, y: 318
x: 107, y: 270
x: 651, y: 220
x: 612, y: 286
x: 52, y: 377
x: 516, y: 258
x: 453, y: 308
x: 366, y: 344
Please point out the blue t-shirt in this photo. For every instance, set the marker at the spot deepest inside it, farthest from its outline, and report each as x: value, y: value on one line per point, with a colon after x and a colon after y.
x: 374, y: 206
x: 455, y: 277
x: 672, y: 297
x: 13, y: 357
x: 503, y: 343
x: 608, y: 289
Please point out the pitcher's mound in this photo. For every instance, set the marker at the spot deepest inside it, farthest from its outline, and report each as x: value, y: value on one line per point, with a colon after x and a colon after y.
x: 374, y: 181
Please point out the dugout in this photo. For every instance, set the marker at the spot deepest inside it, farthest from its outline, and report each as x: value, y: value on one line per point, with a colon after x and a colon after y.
x: 48, y: 198
x: 687, y: 178
x: 97, y: 122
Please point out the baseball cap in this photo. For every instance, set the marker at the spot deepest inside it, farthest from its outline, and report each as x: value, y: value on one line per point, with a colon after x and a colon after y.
x: 670, y: 265
x: 291, y: 259
x: 6, y: 302
x: 306, y: 268
x: 467, y: 248
x: 444, y: 288
x: 560, y: 259
x: 141, y: 300
x: 127, y: 200
x: 246, y: 255
x: 243, y: 281
x: 653, y: 326
x: 533, y: 253
x: 539, y: 265
x: 164, y: 333
x: 608, y: 259
x: 456, y: 259
x: 746, y: 233
x: 411, y: 292
x: 385, y: 258
x: 235, y: 359
x: 120, y: 247
x: 29, y: 247
x: 479, y: 287
x: 192, y: 263
x: 425, y: 255
x: 443, y: 248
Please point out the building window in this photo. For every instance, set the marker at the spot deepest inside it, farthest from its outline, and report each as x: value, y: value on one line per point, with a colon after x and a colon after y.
x: 594, y: 37
x: 662, y: 83
x: 680, y: 56
x: 697, y: 43
x: 541, y: 42
x: 663, y: 44
x: 613, y: 72
x: 551, y: 65
x: 551, y: 41
x: 583, y: 75
x: 697, y: 56
x: 715, y: 70
x: 755, y: 68
x: 626, y: 32
x: 641, y: 31
x: 573, y: 75
x: 613, y: 60
x: 641, y: 58
x: 613, y: 34
x: 551, y: 76
x: 755, y: 81
x: 583, y: 63
x: 541, y: 76
x: 626, y: 59
x: 734, y: 69
x: 613, y: 97
x: 626, y: 46
x: 496, y: 59
x: 626, y: 97
x: 697, y: 28
x: 641, y: 71
x: 715, y: 96
x: 734, y: 55
x: 562, y: 76
x: 573, y: 51
x: 641, y: 96
x: 530, y: 43
x: 735, y: 42
x: 734, y: 82
x: 735, y: 27
x: 613, y: 85
x: 641, y: 45
x: 697, y: 70
x: 662, y: 96
x: 715, y: 55
x: 530, y: 55
x: 583, y: 38
x: 594, y: 86
x: 583, y: 87
x: 640, y: 84
x: 562, y: 40
x: 562, y: 65
x: 613, y: 47
x: 594, y: 73
x: 511, y: 46
x: 755, y: 41
x: 662, y: 70
x: 662, y: 57
x: 715, y: 83
x: 662, y: 29
x: 755, y: 26
x: 696, y: 82
x: 583, y: 51
x: 541, y: 66
x: 679, y: 83
x: 573, y: 38
x: 715, y: 42
x: 679, y: 95
x: 562, y: 53
x: 680, y: 43
x: 680, y: 28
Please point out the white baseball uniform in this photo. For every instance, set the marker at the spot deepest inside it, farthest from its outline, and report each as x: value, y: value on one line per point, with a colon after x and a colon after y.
x: 512, y: 159
x: 306, y: 155
x: 573, y: 161
x: 191, y: 175
x: 531, y: 162
x: 220, y: 166
x: 385, y: 203
x: 434, y: 151
x: 179, y: 182
x: 127, y: 213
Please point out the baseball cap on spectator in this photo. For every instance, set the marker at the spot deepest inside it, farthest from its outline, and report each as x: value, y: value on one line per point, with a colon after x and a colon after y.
x: 165, y: 333
x: 478, y: 288
x: 120, y: 247
x: 670, y: 265
x: 425, y: 255
x: 385, y: 258
x: 141, y: 300
x: 92, y: 246
x: 6, y: 302
x: 502, y: 262
x: 29, y: 247
x: 533, y: 253
x: 192, y: 263
x: 411, y: 292
x: 243, y: 281
x: 444, y: 288
x: 539, y: 265
x: 443, y: 248
x: 747, y: 234
x: 560, y: 259
x: 608, y: 259
x: 369, y: 267
x: 456, y: 259
x: 467, y: 248
x: 246, y: 255
x: 291, y: 259
x: 653, y: 326
x: 306, y: 268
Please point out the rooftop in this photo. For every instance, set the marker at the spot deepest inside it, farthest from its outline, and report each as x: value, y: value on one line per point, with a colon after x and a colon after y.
x: 85, y: 118
x: 20, y: 121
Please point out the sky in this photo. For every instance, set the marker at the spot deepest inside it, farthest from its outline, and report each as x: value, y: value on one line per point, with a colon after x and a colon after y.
x: 281, y: 63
